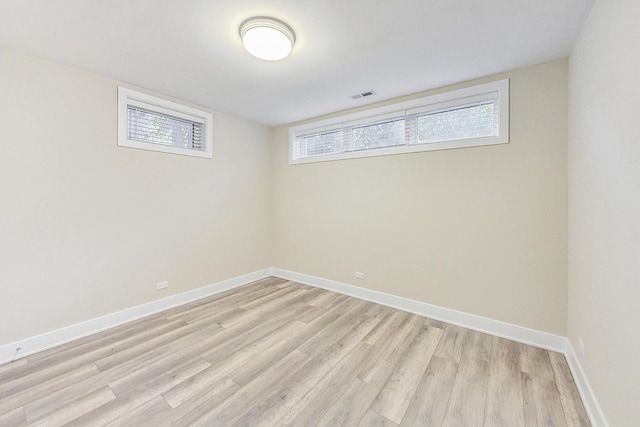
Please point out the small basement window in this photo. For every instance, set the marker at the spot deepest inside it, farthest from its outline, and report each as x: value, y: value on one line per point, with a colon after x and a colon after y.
x: 469, y: 117
x: 151, y: 123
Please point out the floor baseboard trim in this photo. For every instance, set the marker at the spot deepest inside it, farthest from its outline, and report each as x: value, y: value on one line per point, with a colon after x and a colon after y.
x: 588, y: 397
x: 521, y: 334
x: 28, y: 346
x: 470, y: 321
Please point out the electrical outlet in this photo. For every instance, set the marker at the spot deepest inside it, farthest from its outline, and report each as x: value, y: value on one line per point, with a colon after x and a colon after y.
x: 162, y: 285
x: 359, y: 275
x: 581, y: 346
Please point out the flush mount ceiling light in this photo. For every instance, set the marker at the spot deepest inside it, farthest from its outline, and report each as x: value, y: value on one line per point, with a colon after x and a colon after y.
x: 267, y: 38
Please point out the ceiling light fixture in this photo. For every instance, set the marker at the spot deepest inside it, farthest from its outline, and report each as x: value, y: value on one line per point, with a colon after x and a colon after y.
x: 267, y: 38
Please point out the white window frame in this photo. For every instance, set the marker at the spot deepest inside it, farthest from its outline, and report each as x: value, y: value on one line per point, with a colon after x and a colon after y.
x: 127, y: 97
x: 498, y: 90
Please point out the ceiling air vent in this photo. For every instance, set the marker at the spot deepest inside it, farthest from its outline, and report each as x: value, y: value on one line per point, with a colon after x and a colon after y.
x: 363, y: 94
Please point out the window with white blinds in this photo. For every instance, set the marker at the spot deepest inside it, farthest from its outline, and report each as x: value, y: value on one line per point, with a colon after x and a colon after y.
x: 151, y: 123
x: 473, y: 116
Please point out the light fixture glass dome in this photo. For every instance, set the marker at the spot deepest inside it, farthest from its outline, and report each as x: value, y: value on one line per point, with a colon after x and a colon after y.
x: 267, y: 38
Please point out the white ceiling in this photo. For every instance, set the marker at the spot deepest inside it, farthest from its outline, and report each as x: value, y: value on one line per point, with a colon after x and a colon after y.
x: 191, y: 49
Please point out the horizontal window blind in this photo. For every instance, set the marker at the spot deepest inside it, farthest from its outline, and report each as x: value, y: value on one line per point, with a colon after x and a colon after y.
x: 475, y: 121
x: 322, y: 143
x: 156, y: 128
x: 378, y: 135
x: 477, y: 115
x: 151, y: 123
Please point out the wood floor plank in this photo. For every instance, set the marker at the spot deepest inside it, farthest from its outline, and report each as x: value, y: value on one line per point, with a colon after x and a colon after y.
x: 103, y: 348
x: 78, y: 408
x: 283, y: 283
x: 268, y: 411
x: 11, y: 366
x: 396, y: 395
x: 234, y: 359
x: 468, y: 395
x: 25, y: 393
x: 9, y: 388
x: 240, y: 334
x: 173, y: 339
x: 231, y: 300
x: 131, y: 394
x: 542, y: 405
x: 504, y: 406
x: 41, y: 401
x: 298, y: 298
x: 270, y: 351
x: 379, y: 368
x: 182, y: 349
x: 351, y: 406
x: 452, y: 343
x: 429, y: 403
x: 314, y: 311
x: 332, y: 385
x: 223, y: 365
x: 221, y: 315
x: 244, y: 294
x: 436, y: 323
x: 14, y: 418
x: 184, y: 391
x: 241, y: 402
x: 378, y: 310
x: 574, y: 411
x: 282, y: 302
x: 535, y: 361
x: 185, y: 348
x: 201, y: 403
x: 267, y: 298
x: 270, y: 281
x: 311, y: 372
x: 373, y: 419
x: 238, y: 318
x: 155, y: 376
x: 276, y: 353
x: 477, y: 345
x: 334, y: 330
x: 98, y: 340
x: 326, y: 299
x: 248, y: 338
x: 387, y: 326
x: 152, y: 413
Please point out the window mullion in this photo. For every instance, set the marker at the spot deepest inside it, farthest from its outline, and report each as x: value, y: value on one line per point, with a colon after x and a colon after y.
x: 347, y: 139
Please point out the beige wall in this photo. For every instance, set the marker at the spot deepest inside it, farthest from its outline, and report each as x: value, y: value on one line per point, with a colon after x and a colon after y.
x: 88, y: 228
x: 604, y: 205
x: 482, y: 230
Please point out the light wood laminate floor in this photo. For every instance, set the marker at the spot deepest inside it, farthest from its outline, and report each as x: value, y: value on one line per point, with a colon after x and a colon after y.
x: 280, y: 353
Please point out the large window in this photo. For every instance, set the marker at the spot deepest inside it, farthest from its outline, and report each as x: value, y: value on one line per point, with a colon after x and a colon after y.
x: 152, y: 123
x: 473, y: 116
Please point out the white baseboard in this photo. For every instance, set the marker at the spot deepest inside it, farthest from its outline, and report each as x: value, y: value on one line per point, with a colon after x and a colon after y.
x: 51, y: 339
x: 478, y: 323
x: 588, y: 397
x: 469, y: 321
